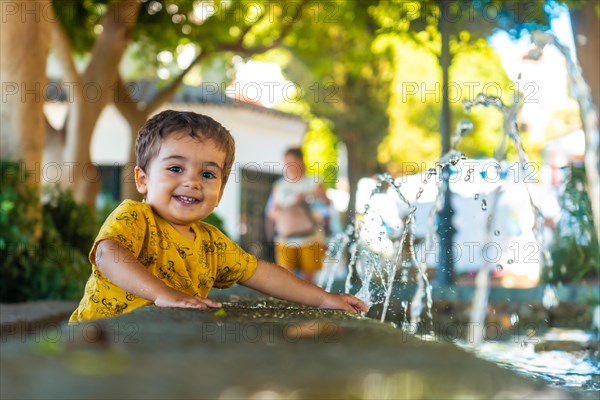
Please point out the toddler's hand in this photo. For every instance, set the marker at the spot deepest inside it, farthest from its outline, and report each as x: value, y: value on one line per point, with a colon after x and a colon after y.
x: 173, y: 298
x: 344, y: 301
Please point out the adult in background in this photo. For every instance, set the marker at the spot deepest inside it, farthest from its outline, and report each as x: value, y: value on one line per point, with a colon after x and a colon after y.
x: 299, y: 207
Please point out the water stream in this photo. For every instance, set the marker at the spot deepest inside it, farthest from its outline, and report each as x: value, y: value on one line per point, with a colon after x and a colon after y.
x: 378, y: 250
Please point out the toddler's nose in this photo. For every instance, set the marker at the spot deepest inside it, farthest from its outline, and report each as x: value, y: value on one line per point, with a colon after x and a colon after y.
x: 192, y: 181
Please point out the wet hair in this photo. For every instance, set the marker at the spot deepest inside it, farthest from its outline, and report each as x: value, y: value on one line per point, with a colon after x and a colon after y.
x: 197, y: 126
x: 295, y: 152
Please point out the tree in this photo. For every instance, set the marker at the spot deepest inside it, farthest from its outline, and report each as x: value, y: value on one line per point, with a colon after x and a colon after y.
x: 23, y: 77
x: 451, y: 32
x: 347, y: 79
x: 413, y: 142
x: 93, y: 89
x: 110, y: 28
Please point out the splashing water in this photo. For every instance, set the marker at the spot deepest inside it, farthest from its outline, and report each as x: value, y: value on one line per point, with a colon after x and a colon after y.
x: 334, y: 257
x: 365, y: 262
x: 589, y: 115
x: 511, y: 135
x: 550, y: 298
x: 376, y: 251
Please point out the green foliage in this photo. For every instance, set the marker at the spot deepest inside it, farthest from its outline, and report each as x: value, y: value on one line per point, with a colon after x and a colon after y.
x: 575, y: 251
x: 415, y: 103
x: 413, y: 112
x: 320, y: 153
x: 76, y: 223
x: 79, y: 18
x: 216, y: 221
x: 16, y: 202
x: 169, y: 25
x: 319, y: 147
x: 56, y: 265
x: 344, y: 77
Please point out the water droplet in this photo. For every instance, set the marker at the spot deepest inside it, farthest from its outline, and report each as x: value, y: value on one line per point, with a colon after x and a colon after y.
x: 476, y: 196
x: 499, y: 267
x: 483, y: 205
x: 510, y: 261
x: 497, y: 232
x: 463, y: 157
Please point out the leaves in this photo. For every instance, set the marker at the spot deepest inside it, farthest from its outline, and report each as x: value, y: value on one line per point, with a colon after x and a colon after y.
x: 54, y: 267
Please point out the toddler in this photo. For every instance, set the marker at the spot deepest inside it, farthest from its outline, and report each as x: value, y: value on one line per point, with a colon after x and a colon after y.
x: 159, y: 252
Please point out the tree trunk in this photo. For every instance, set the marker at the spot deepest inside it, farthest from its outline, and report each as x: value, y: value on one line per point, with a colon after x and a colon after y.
x: 24, y: 47
x: 128, y: 189
x: 90, y: 96
x: 586, y: 26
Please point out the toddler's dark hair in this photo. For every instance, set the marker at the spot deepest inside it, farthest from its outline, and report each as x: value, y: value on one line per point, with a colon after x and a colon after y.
x: 195, y: 125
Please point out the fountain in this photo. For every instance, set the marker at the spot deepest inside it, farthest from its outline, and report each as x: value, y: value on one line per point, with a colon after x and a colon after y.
x: 268, y: 344
x: 379, y: 250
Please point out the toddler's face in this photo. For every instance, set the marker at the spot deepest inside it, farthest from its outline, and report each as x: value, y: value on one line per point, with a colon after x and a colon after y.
x: 183, y: 183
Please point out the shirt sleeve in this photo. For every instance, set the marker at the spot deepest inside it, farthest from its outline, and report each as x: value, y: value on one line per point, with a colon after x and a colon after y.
x: 234, y: 265
x: 126, y: 225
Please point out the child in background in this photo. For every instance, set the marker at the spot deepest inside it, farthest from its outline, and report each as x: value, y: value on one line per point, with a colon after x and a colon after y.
x: 299, y: 250
x: 158, y: 252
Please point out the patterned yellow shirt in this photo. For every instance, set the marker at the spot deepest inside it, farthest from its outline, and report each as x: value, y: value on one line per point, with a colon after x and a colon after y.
x: 189, y: 266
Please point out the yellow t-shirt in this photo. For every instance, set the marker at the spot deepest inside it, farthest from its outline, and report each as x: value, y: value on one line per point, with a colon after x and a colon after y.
x: 189, y: 266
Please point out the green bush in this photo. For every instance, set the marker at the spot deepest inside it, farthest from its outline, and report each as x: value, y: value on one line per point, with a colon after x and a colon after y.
x: 76, y: 223
x: 56, y: 265
x: 574, y: 251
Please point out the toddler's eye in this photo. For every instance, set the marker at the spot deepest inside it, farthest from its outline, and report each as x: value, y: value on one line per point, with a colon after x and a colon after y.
x: 208, y: 175
x: 175, y: 169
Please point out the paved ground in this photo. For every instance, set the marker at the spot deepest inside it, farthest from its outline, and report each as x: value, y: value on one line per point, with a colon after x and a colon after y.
x: 252, y: 348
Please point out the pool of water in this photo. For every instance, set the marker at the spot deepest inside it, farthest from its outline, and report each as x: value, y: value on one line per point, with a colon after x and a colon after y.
x: 575, y: 370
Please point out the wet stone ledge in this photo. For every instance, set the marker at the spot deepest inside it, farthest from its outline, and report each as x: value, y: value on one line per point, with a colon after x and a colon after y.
x: 21, y: 319
x: 251, y: 348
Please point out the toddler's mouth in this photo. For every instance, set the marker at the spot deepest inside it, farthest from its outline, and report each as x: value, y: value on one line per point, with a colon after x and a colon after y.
x: 186, y: 199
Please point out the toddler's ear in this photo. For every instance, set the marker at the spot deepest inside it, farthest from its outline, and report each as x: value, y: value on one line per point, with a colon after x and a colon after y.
x: 141, y: 180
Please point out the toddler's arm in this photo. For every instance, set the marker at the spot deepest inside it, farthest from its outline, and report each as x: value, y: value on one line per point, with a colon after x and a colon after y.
x: 125, y: 271
x: 276, y: 281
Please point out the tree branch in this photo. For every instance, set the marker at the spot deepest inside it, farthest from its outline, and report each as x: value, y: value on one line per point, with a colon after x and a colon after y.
x: 168, y: 91
x: 118, y: 23
x: 64, y: 51
x: 124, y: 99
x: 125, y: 103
